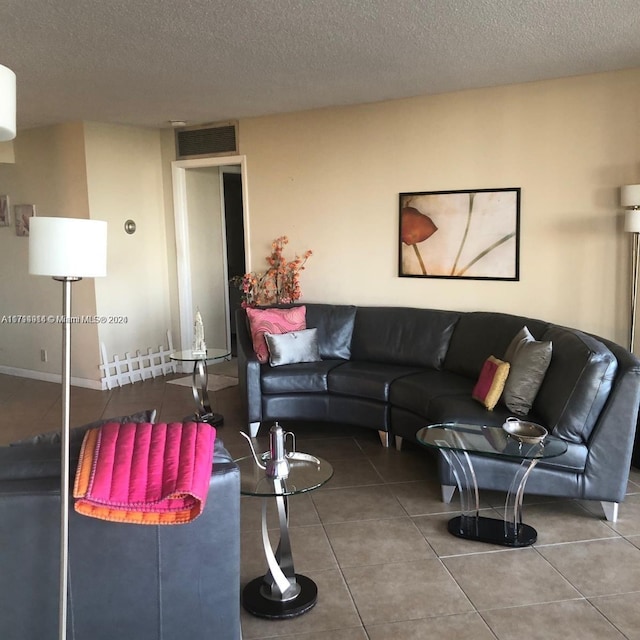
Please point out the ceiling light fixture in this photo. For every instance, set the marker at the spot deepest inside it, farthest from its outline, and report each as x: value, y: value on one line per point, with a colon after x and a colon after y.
x: 7, y: 104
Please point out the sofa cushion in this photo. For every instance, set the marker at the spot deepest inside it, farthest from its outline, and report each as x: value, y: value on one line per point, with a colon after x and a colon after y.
x: 415, y: 392
x: 492, y: 475
x: 490, y: 384
x: 306, y: 377
x: 263, y: 321
x: 415, y: 337
x: 335, y: 329
x: 478, y: 335
x: 574, y: 459
x: 462, y: 408
x: 576, y: 385
x: 366, y: 379
x: 529, y: 359
x: 292, y: 347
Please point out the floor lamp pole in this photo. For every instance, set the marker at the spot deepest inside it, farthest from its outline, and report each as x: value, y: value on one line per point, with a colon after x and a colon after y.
x: 66, y: 249
x: 64, y: 457
x: 635, y: 259
x: 630, y: 200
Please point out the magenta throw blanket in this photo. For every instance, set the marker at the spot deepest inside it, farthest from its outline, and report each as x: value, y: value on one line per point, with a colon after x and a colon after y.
x: 145, y: 473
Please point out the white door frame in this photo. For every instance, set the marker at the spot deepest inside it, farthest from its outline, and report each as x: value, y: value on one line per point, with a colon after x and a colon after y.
x: 181, y: 218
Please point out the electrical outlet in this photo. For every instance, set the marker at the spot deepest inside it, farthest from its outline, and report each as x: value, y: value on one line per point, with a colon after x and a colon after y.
x: 43, y: 355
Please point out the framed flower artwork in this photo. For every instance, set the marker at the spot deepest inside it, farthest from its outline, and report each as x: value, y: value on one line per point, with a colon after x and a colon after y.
x: 468, y: 234
x: 23, y: 214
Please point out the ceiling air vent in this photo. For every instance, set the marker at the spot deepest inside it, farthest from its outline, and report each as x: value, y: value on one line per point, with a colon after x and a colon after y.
x: 204, y: 141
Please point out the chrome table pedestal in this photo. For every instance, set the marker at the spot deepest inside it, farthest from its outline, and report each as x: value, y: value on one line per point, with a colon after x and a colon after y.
x: 200, y: 381
x: 281, y: 592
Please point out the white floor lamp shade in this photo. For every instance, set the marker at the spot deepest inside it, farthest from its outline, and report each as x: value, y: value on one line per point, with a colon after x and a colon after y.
x: 7, y: 104
x: 67, y: 249
x: 630, y: 195
x: 632, y: 220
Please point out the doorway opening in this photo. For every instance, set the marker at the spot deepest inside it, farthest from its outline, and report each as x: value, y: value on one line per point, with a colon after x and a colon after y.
x: 234, y: 230
x: 212, y: 236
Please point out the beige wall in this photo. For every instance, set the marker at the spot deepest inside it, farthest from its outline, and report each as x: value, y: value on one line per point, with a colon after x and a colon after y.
x: 6, y: 152
x: 49, y: 171
x: 330, y: 180
x: 104, y: 172
x: 124, y: 178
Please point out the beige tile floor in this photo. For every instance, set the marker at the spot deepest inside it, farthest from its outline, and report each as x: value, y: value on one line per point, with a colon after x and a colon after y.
x: 374, y: 538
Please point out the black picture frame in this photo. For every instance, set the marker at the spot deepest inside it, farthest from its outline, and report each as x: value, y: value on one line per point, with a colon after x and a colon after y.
x: 466, y: 234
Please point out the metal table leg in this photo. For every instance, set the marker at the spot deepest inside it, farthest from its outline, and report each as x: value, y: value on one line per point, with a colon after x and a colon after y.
x: 281, y: 593
x: 199, y: 381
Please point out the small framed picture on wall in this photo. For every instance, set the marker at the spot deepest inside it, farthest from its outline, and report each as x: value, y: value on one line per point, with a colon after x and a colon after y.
x: 23, y: 214
x: 5, y: 211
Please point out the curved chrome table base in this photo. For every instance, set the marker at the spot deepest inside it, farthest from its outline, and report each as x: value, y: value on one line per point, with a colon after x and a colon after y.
x: 199, y: 382
x: 281, y: 593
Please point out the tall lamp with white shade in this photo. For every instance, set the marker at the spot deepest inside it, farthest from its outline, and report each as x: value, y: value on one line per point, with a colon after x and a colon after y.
x: 630, y: 200
x: 7, y: 104
x: 67, y: 249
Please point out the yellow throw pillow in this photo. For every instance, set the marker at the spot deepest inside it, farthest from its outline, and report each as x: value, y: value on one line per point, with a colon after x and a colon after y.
x: 491, y: 381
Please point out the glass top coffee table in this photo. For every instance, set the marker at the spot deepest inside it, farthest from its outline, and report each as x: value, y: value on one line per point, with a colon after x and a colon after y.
x: 281, y: 592
x: 455, y: 441
x: 200, y: 380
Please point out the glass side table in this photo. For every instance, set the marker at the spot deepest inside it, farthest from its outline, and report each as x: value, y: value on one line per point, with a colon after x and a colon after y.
x: 200, y: 379
x: 456, y: 441
x: 281, y: 592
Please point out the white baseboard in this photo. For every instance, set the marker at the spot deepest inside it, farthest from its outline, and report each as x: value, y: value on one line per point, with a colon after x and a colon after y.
x: 51, y: 377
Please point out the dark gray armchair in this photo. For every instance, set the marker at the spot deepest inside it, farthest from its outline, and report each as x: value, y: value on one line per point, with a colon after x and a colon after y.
x: 126, y: 581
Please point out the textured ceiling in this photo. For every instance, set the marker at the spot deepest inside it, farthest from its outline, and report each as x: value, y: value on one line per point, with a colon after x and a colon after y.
x: 146, y: 62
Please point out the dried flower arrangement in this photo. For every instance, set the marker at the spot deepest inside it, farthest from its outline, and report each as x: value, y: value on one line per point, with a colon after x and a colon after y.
x: 279, y: 284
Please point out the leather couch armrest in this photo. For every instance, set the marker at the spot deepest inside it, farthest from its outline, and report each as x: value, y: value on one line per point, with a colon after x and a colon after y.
x: 613, y: 435
x: 248, y: 370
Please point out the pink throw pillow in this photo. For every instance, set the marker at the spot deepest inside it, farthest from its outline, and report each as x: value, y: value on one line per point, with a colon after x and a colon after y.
x: 279, y: 321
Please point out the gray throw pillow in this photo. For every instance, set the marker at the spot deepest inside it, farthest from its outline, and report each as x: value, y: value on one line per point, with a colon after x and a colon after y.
x: 293, y: 347
x: 529, y: 360
x: 76, y: 435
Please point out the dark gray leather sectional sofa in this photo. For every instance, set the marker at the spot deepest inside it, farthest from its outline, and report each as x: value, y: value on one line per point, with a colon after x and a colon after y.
x: 126, y: 581
x: 398, y: 369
